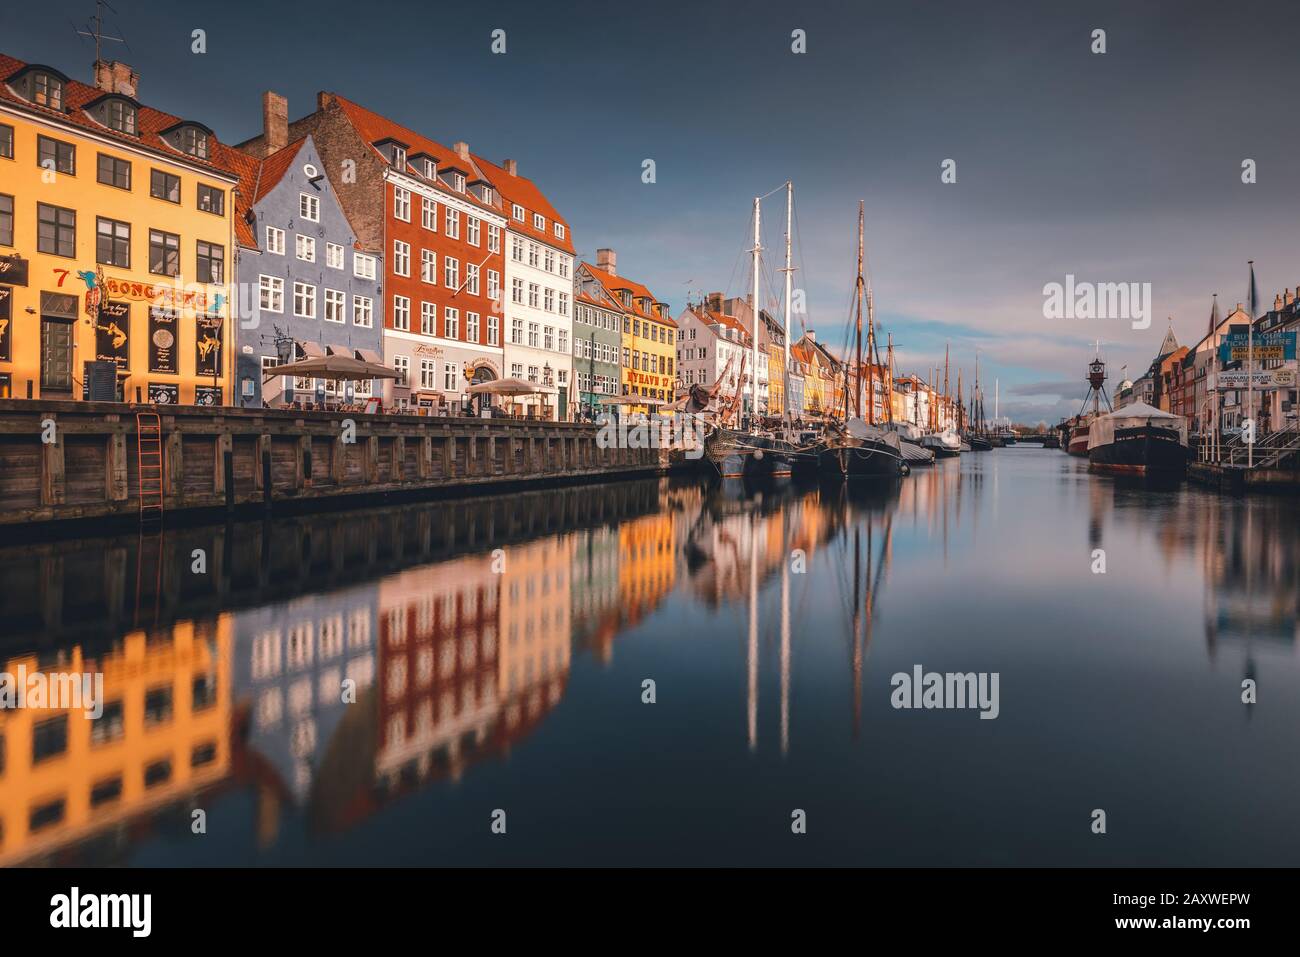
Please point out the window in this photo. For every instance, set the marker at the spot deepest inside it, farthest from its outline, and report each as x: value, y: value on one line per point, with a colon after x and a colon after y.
x: 401, y: 258
x: 564, y: 340
x: 532, y: 335
x: 164, y: 186
x: 428, y: 374
x: 158, y: 772
x: 6, y: 220
x: 402, y: 366
x: 112, y: 171
x: 517, y: 291
x: 548, y: 295
x: 47, y: 90
x: 305, y: 247
x: 533, y: 290
x: 517, y: 331
x: 363, y: 311
x: 550, y: 259
x: 472, y: 228
x: 494, y: 239
x: 6, y: 141
x: 56, y: 230
x: 428, y: 319
x: 275, y: 240
x: 548, y: 338
x: 450, y: 381
x: 471, y: 327
x: 517, y: 249
x: 211, y: 262
x: 517, y: 212
x: 334, y: 302
x: 49, y: 738
x: 212, y: 200
x: 471, y: 279
x: 164, y: 253
x: 112, y: 242
x: 453, y: 224
x: 120, y: 115
x: 559, y: 230
x: 451, y: 323
x: 494, y: 331
x: 494, y: 285
x: 309, y: 207
x: 56, y: 155
x: 564, y: 303
x: 450, y: 272
x: 402, y: 204
x: 105, y: 792
x: 539, y: 221
x: 402, y: 313
x: 429, y: 266
x: 399, y: 156
x: 533, y: 250
x: 270, y: 293
x: 458, y: 182
x: 430, y: 168
x: 157, y: 705
x: 333, y: 255
x: 194, y: 141
x: 363, y: 266
x: 428, y: 214
x: 304, y: 300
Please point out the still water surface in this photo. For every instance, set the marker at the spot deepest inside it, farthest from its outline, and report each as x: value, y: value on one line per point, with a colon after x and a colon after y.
x: 492, y: 655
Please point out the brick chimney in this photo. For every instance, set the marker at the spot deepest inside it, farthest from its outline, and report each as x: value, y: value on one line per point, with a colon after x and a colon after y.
x: 713, y: 302
x: 1277, y: 303
x: 275, y: 122
x: 607, y: 260
x: 462, y: 150
x: 323, y: 99
x: 114, y: 77
x: 512, y: 167
x: 1287, y: 298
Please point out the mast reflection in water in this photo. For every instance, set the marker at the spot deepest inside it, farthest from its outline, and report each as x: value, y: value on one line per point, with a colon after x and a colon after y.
x: 369, y: 687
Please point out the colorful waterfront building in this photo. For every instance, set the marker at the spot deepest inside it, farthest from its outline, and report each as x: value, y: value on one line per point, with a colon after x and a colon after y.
x: 597, y: 351
x: 116, y: 234
x: 440, y: 224
x: 716, y: 345
x: 649, y: 338
x: 823, y: 383
x: 306, y: 287
x: 538, y: 312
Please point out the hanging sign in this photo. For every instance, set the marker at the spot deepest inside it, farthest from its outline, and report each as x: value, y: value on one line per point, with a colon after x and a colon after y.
x: 207, y: 345
x: 112, y: 332
x: 162, y: 340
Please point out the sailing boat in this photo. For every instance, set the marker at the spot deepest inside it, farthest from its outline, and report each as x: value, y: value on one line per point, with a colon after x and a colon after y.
x: 944, y: 441
x: 857, y: 447
x: 975, y: 438
x: 909, y: 435
x: 1076, y: 438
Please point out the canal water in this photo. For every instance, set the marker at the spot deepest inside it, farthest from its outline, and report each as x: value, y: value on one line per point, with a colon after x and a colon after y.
x: 398, y: 686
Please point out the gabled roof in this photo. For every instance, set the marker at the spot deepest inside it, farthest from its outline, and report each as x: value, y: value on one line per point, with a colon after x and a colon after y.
x: 150, y: 123
x: 275, y: 166
x: 521, y: 190
x: 247, y: 168
x: 374, y: 128
x: 613, y: 283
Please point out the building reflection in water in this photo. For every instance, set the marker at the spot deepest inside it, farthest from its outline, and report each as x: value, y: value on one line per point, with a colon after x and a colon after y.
x: 410, y: 650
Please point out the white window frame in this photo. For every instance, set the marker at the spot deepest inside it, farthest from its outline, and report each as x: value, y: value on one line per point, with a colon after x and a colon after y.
x: 272, y: 287
x: 473, y: 230
x: 539, y: 222
x: 363, y: 312
x: 337, y: 299
x: 309, y: 207
x: 402, y: 203
x: 429, y: 214
x: 428, y: 318
x: 429, y: 267
x: 304, y: 247
x: 305, y: 292
x: 451, y: 272
x: 401, y: 258
x: 334, y: 256
x: 517, y: 212
x: 402, y: 313
x: 275, y: 240
x: 364, y: 266
x: 450, y: 323
x: 452, y: 229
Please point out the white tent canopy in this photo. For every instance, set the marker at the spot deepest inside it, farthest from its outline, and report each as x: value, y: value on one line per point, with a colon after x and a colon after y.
x: 1103, y: 428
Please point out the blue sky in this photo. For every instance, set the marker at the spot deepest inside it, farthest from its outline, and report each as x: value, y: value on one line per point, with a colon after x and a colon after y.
x: 1118, y: 167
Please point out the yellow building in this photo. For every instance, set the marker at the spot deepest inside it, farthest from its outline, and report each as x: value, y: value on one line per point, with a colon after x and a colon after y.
x: 647, y: 565
x: 649, y: 334
x: 164, y: 734
x: 116, y: 242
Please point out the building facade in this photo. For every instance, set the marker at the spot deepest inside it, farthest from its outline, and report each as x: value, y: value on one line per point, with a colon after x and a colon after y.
x: 715, y: 345
x: 438, y: 221
x: 649, y: 338
x: 538, y: 295
x: 116, y: 231
x: 597, y: 352
x: 303, y: 279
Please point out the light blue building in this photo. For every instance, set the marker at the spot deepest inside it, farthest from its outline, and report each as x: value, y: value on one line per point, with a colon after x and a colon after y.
x: 304, y: 288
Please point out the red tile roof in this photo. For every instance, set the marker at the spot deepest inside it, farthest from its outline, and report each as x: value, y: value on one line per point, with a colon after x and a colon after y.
x: 521, y: 190
x: 275, y: 166
x: 150, y: 123
x: 374, y: 128
x: 612, y: 283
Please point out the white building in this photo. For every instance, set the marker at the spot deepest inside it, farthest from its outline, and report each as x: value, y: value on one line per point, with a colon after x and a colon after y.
x: 537, y: 295
x: 706, y: 341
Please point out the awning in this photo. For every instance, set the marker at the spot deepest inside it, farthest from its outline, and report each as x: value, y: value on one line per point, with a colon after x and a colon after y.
x: 332, y: 350
x: 370, y: 355
x: 333, y: 367
x: 504, y: 387
x: 310, y: 350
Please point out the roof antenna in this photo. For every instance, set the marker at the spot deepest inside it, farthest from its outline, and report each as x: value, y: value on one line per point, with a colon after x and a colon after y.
x: 95, y: 31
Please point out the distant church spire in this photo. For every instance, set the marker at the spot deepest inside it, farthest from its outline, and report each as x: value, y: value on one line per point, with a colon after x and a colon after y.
x: 1214, y: 315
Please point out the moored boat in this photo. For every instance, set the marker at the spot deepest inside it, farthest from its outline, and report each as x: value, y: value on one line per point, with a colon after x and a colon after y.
x: 944, y: 445
x: 1138, y: 439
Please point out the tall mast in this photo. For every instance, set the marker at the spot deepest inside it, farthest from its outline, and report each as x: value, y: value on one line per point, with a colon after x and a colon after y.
x: 758, y: 246
x: 857, y: 370
x: 960, y: 423
x: 947, y: 403
x: 789, y: 283
x: 889, y: 392
x: 873, y: 356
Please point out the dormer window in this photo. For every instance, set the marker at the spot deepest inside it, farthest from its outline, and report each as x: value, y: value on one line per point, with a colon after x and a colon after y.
x: 559, y: 230
x: 485, y: 193
x: 190, y: 138
x: 539, y: 222
x: 458, y: 182
x: 430, y: 169
x: 399, y: 156
x: 120, y: 115
x: 47, y: 90
x: 517, y: 212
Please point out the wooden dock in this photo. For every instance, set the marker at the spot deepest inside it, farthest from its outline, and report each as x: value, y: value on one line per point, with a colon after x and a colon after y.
x: 1239, y: 479
x: 67, y: 460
